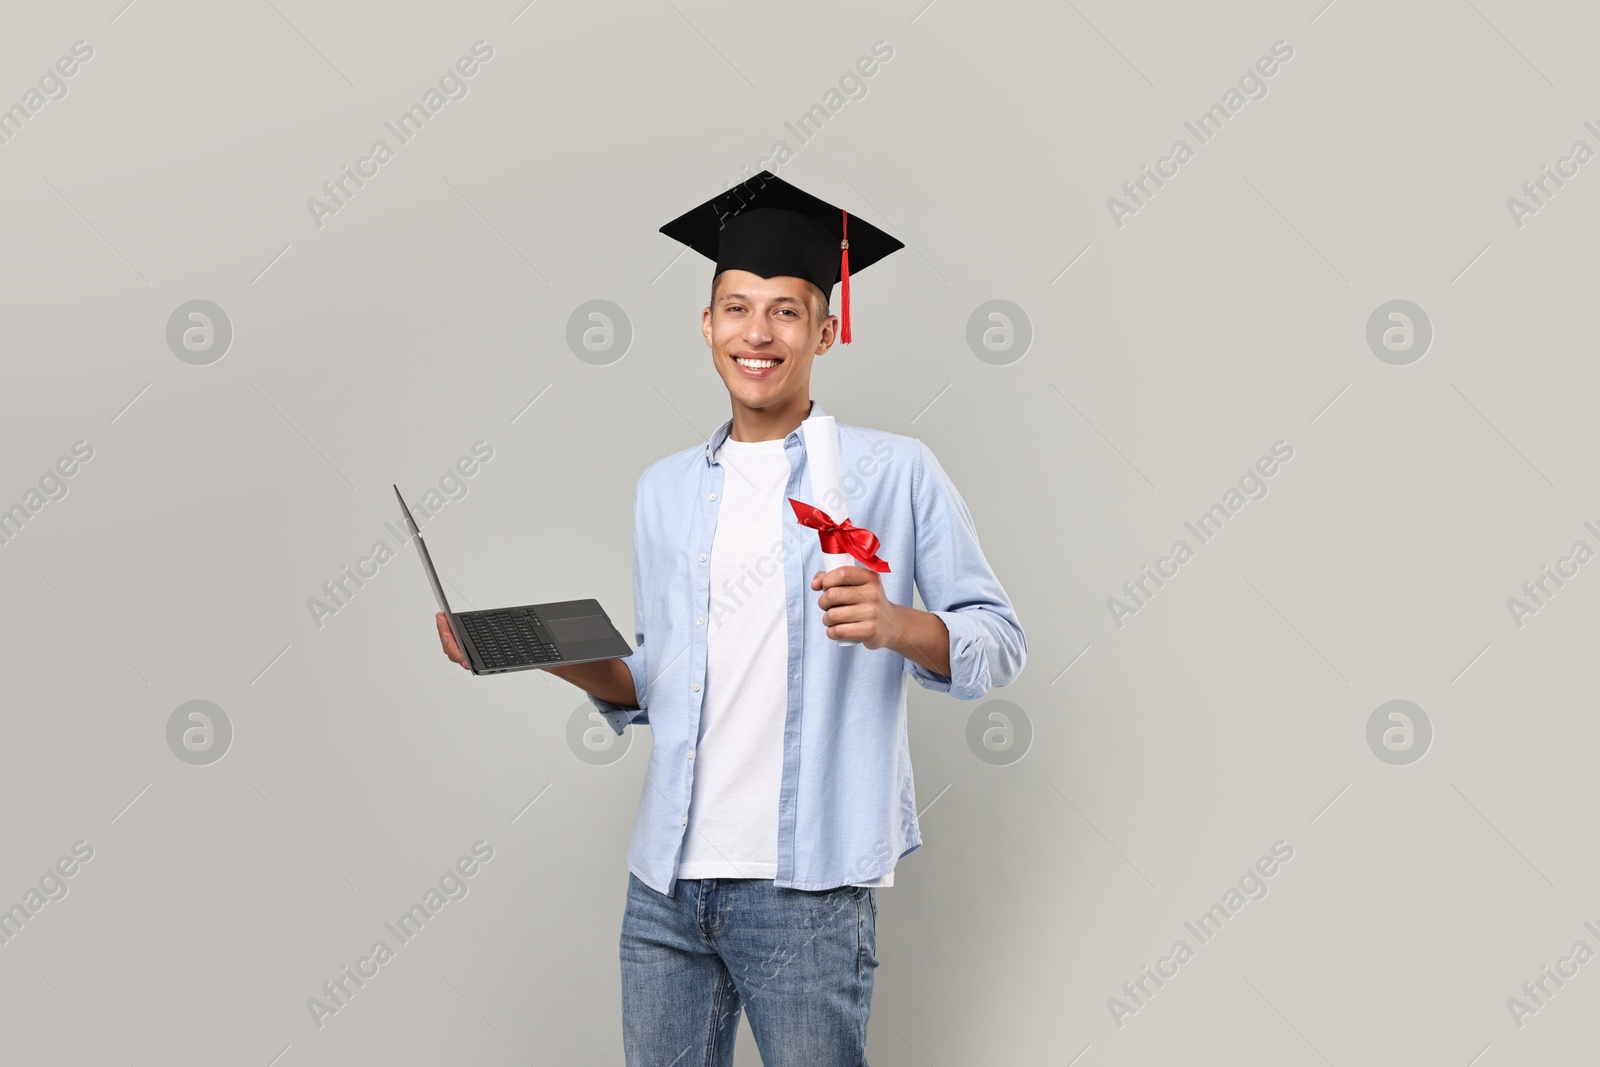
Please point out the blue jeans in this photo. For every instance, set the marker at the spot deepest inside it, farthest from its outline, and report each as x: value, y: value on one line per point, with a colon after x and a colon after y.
x: 800, y: 962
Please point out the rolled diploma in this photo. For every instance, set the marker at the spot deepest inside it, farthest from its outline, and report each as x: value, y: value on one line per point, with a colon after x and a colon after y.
x: 821, y: 437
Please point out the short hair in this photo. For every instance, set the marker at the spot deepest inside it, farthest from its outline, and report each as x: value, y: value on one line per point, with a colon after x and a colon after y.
x: 819, y: 299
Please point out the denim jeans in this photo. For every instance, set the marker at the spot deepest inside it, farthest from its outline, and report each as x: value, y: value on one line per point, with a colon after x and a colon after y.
x: 800, y: 962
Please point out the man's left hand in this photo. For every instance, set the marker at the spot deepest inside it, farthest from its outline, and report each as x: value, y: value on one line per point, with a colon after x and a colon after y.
x: 855, y: 607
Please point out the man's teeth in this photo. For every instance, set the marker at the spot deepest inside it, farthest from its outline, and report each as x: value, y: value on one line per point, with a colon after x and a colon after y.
x: 755, y: 364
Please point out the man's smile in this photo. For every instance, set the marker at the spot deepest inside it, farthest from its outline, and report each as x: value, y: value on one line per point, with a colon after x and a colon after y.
x: 756, y: 364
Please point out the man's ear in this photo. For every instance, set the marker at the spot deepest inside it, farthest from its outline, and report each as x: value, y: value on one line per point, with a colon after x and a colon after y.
x: 705, y: 326
x: 830, y: 327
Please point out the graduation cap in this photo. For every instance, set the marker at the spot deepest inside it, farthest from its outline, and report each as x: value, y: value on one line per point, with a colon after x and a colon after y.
x: 768, y: 227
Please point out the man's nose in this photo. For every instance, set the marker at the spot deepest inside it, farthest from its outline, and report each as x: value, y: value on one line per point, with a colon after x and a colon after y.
x: 757, y: 330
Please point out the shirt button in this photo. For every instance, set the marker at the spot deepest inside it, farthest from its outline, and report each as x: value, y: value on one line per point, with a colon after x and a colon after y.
x: 702, y: 557
x: 696, y: 687
x: 700, y: 622
x: 684, y: 821
x: 691, y: 755
x: 713, y: 496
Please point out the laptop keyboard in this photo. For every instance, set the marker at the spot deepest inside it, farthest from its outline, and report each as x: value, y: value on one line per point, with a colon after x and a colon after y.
x: 508, y: 638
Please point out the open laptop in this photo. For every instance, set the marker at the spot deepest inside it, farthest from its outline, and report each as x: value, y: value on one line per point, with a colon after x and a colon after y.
x: 534, y: 635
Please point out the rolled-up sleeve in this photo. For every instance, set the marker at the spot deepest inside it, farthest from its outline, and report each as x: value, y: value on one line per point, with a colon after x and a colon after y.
x: 618, y: 716
x: 987, y: 645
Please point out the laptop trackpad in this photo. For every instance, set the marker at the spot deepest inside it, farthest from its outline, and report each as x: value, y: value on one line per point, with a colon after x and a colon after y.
x: 584, y: 628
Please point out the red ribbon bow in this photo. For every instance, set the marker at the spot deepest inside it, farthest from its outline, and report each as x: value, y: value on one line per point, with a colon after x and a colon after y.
x: 842, y: 538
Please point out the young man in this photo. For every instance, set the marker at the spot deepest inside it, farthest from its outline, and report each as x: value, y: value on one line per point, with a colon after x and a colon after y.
x: 779, y: 794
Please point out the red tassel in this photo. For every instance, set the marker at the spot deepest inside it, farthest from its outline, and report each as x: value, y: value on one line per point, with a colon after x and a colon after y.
x: 844, y: 281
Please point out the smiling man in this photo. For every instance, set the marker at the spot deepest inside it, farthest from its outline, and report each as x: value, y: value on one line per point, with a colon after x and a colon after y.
x: 779, y: 794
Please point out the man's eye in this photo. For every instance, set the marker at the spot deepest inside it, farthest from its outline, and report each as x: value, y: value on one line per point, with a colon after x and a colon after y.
x: 786, y: 311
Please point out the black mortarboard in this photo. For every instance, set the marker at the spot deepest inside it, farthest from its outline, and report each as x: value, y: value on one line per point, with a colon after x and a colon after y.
x: 768, y: 227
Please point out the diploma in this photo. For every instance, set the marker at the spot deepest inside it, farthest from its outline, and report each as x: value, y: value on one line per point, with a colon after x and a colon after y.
x: 821, y: 437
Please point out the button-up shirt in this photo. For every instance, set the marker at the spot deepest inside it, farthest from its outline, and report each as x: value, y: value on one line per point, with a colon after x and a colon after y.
x: 846, y: 804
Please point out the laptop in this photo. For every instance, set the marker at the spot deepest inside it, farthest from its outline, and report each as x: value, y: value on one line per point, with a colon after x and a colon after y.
x: 533, y: 635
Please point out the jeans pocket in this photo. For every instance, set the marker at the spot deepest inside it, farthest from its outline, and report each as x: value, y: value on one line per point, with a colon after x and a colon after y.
x: 866, y: 933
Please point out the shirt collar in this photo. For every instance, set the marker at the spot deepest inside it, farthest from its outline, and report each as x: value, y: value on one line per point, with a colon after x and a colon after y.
x: 726, y: 428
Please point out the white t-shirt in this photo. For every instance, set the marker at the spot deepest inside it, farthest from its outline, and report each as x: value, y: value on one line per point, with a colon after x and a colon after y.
x: 738, y: 760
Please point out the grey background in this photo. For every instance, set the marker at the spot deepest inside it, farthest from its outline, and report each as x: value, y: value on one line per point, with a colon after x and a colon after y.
x: 1167, y: 355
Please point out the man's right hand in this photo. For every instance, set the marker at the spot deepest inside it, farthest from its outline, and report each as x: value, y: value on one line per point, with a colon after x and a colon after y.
x: 609, y: 677
x: 448, y: 641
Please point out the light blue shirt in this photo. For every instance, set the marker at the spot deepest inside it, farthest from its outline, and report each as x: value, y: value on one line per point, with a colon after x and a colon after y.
x: 847, y: 805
